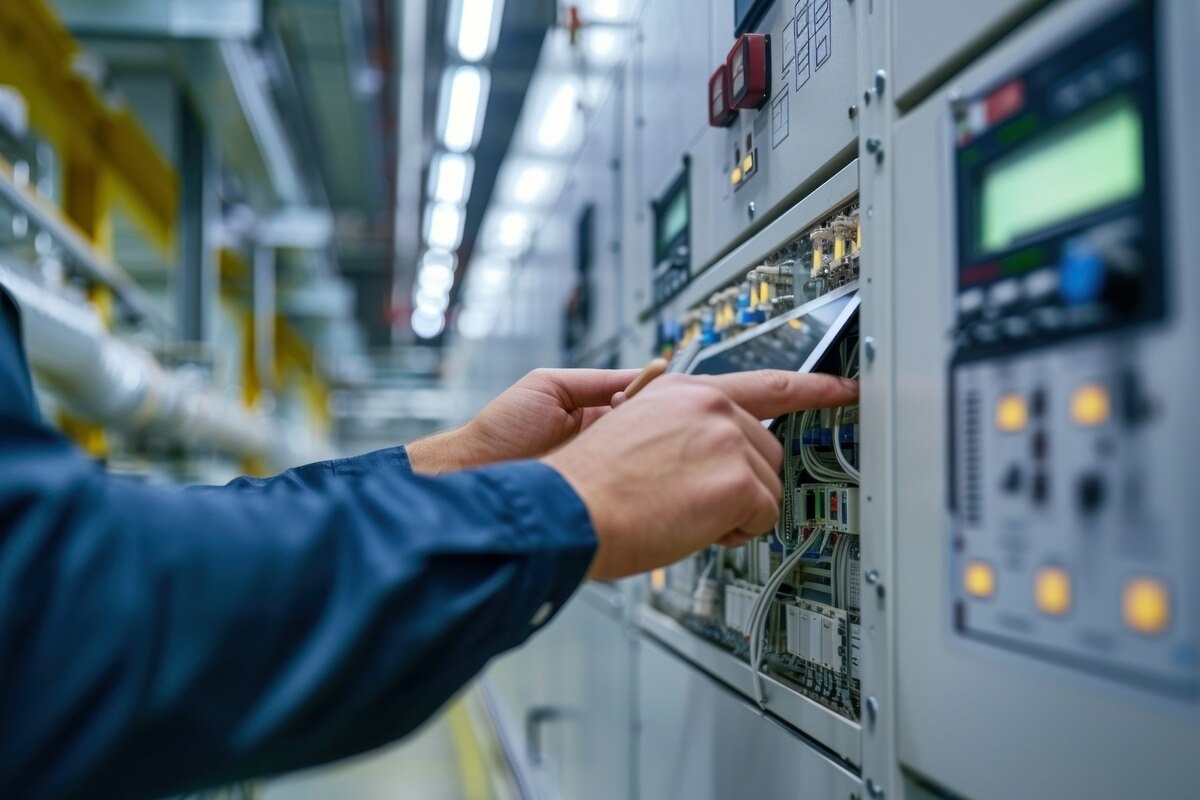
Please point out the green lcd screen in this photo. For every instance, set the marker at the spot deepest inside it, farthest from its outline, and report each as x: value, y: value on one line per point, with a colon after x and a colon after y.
x: 1089, y: 162
x: 675, y: 218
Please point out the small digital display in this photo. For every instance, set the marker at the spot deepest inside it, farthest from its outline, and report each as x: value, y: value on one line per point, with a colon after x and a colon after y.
x: 1086, y: 163
x: 673, y: 221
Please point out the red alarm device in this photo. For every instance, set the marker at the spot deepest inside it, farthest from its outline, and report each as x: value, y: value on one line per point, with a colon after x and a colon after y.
x: 720, y: 113
x: 749, y: 66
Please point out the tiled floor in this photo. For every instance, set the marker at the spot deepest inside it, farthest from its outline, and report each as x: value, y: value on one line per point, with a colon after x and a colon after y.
x: 423, y: 767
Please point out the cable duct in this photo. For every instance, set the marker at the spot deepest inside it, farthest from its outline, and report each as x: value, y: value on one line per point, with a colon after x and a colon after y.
x: 108, y: 381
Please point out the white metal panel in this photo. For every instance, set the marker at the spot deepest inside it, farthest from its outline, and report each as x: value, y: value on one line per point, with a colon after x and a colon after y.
x: 931, y: 36
x: 698, y: 741
x: 969, y: 714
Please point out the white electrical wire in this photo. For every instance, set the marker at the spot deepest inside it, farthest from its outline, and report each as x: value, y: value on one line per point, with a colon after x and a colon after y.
x: 761, y: 610
x: 851, y: 472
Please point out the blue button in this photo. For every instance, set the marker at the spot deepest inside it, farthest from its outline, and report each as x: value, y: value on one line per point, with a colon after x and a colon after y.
x: 1082, y: 275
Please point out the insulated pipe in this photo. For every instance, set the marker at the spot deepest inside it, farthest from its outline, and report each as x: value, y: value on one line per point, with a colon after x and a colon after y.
x: 113, y: 383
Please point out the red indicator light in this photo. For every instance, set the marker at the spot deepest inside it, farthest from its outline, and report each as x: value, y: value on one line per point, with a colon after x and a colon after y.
x: 749, y: 66
x: 979, y: 274
x: 720, y: 113
x: 1005, y: 101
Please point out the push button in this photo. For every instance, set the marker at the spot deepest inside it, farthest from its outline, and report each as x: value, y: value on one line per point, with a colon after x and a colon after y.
x: 1146, y: 606
x: 1082, y: 275
x: 1052, y: 591
x: 1090, y: 493
x: 979, y: 579
x: 1012, y: 413
x: 1091, y: 405
x: 1012, y: 481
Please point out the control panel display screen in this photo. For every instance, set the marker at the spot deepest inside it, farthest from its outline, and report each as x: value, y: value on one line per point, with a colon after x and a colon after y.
x: 1081, y: 165
x: 674, y: 221
x: 747, y: 12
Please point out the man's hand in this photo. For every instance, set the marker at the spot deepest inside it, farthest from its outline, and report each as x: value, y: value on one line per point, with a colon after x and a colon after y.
x: 541, y: 412
x: 687, y: 463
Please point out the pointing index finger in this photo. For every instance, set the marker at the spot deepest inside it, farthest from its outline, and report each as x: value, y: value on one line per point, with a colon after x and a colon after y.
x: 769, y: 393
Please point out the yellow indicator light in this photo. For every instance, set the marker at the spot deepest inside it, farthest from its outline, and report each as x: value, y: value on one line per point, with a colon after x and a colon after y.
x: 658, y: 580
x: 748, y: 163
x: 1146, y: 606
x: 979, y: 579
x: 1090, y: 405
x: 1052, y: 591
x: 736, y: 177
x: 1012, y: 413
x: 796, y: 324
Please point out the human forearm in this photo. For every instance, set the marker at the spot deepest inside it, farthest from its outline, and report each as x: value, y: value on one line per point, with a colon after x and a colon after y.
x: 202, y: 636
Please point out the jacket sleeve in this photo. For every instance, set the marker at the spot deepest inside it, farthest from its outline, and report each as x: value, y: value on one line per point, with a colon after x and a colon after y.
x: 153, y: 641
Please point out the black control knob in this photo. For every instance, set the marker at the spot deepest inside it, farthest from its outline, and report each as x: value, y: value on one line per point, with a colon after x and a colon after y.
x: 1090, y: 493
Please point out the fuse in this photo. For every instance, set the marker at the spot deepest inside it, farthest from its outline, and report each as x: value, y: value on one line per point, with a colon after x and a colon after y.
x: 744, y: 303
x: 708, y: 331
x: 819, y: 238
x: 843, y: 229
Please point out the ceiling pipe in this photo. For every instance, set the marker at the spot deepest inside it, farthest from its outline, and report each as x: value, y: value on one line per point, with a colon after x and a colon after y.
x: 108, y: 381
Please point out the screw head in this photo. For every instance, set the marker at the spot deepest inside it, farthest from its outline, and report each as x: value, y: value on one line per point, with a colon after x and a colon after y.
x: 872, y: 710
x: 880, y: 82
x: 872, y: 577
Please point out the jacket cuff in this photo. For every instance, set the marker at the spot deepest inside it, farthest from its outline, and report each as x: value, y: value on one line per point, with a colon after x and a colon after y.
x: 358, y: 466
x: 550, y: 518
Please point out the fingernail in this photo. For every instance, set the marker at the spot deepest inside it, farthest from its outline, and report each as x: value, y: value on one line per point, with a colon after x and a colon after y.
x: 850, y: 383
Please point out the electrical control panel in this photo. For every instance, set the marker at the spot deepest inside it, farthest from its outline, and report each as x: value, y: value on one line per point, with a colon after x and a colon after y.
x: 784, y: 292
x: 982, y: 584
x: 788, y: 601
x: 783, y: 611
x: 796, y: 113
x: 1060, y: 274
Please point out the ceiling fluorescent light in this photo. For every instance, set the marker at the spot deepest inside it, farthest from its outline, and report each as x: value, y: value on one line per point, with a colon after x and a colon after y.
x: 436, y: 274
x: 464, y: 97
x: 428, y: 324
x: 441, y: 259
x: 473, y: 27
x: 444, y: 225
x: 556, y: 123
x: 451, y: 175
x: 530, y: 184
x: 431, y: 301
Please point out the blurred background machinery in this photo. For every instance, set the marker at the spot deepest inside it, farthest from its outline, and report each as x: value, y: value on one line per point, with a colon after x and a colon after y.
x: 248, y: 234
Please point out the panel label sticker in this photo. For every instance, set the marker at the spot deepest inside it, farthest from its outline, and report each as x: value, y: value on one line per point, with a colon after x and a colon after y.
x: 803, y: 27
x: 779, y: 119
x: 822, y: 31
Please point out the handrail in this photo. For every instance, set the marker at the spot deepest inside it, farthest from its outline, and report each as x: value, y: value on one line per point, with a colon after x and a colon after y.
x: 46, y: 217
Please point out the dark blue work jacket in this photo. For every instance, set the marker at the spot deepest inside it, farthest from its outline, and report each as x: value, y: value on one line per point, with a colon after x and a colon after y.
x: 154, y: 640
